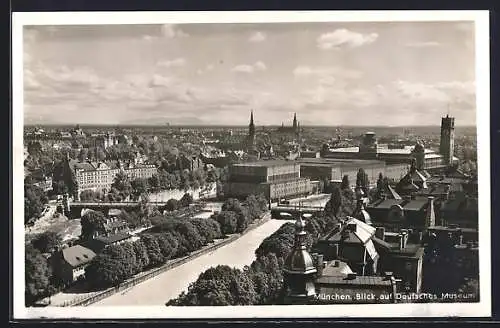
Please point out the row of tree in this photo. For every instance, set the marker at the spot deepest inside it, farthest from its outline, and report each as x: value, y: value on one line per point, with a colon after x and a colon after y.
x: 261, y: 282
x: 236, y: 217
x: 168, y: 240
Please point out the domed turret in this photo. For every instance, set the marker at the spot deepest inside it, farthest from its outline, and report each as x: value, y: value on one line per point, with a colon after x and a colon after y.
x: 299, y: 269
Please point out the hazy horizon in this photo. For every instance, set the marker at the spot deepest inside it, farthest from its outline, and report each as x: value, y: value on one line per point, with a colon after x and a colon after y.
x: 336, y: 74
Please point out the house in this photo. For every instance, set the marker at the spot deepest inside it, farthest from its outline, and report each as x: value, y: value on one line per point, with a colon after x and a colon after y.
x: 97, y: 244
x: 311, y: 280
x: 69, y: 264
x: 408, y: 213
x: 402, y: 254
x: 351, y: 243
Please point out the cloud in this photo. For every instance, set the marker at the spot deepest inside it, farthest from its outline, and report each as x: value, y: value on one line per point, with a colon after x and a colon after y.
x: 208, y: 68
x: 425, y: 44
x: 343, y: 38
x: 167, y: 31
x: 172, y: 31
x: 325, y: 75
x: 258, y: 66
x: 257, y: 37
x: 178, y: 62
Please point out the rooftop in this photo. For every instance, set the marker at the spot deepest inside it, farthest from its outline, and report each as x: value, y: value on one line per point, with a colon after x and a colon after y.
x: 338, y: 281
x: 77, y: 255
x: 269, y: 163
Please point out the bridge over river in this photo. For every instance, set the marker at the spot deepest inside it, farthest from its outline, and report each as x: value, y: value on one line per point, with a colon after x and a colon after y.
x: 75, y: 208
x: 168, y: 285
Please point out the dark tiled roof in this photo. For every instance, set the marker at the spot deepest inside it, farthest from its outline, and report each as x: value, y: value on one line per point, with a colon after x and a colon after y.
x: 358, y: 281
x: 108, y: 240
x: 385, y: 203
x: 77, y: 255
x: 415, y: 205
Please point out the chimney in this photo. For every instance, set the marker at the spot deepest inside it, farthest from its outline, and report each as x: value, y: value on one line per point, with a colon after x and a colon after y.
x: 335, y: 251
x: 319, y: 264
x: 405, y: 238
x: 401, y: 242
x: 430, y: 218
x: 420, y: 236
x: 461, y: 239
x: 380, y: 233
x: 336, y: 263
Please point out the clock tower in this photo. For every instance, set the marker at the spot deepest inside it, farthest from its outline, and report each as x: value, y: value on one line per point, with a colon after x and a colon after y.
x: 447, y: 139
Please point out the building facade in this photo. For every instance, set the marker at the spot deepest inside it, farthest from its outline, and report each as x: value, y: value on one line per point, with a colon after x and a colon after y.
x: 274, y: 179
x: 69, y: 264
x: 100, y: 175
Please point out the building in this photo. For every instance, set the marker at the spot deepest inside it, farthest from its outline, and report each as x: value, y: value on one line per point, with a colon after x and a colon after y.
x: 99, y: 175
x: 310, y: 279
x: 428, y: 159
x: 352, y: 243
x: 294, y: 129
x: 407, y: 213
x: 100, y: 242
x: 401, y: 253
x: 275, y: 179
x: 69, y: 264
x: 447, y: 143
x: 336, y: 169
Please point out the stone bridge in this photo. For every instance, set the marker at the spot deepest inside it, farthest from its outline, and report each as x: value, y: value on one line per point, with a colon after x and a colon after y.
x: 295, y: 211
x: 74, y: 209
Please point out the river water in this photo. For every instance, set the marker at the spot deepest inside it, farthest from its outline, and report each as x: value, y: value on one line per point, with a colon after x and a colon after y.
x: 168, y: 285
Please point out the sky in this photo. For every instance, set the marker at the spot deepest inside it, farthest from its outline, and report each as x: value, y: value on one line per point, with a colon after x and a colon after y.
x: 359, y: 73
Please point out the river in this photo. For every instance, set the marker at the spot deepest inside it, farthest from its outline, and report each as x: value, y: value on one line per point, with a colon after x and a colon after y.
x: 168, y: 285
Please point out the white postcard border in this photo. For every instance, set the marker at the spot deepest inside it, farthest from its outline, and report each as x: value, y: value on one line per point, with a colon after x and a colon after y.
x: 480, y: 309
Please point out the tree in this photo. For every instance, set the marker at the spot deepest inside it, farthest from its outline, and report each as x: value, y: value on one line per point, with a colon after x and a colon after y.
x: 83, y: 155
x: 332, y: 207
x: 91, y: 222
x: 218, y: 286
x: 228, y: 221
x: 165, y: 243
x: 153, y: 249
x: 141, y: 254
x: 139, y: 186
x: 186, y: 200
x: 37, y: 275
x: 34, y: 201
x: 47, y: 242
x: 172, y: 205
x: 362, y: 180
x: 345, y: 183
x: 154, y: 182
x: 121, y: 185
x: 88, y: 195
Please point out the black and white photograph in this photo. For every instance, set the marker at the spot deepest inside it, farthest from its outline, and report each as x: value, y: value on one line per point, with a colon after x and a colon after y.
x: 251, y: 164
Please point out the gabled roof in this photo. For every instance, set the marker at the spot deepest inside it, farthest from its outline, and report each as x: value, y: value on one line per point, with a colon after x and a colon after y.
x: 77, y: 255
x: 393, y: 193
x: 363, y: 232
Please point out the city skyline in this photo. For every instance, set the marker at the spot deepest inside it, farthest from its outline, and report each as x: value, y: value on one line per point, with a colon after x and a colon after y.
x: 395, y: 74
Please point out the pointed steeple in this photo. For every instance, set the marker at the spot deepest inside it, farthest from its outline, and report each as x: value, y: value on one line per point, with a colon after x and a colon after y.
x: 251, y: 126
x: 295, y: 121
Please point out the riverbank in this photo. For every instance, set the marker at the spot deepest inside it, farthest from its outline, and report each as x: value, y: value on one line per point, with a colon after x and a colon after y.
x: 168, y: 285
x: 84, y: 299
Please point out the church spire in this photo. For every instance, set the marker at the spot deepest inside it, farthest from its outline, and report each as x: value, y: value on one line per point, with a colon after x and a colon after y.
x: 251, y: 126
x: 295, y: 121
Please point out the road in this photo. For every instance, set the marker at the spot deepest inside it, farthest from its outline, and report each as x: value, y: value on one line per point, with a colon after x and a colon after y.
x: 168, y: 285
